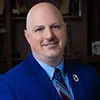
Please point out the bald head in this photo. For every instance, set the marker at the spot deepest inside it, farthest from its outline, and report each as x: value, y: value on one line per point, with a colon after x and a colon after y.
x: 42, y: 10
x: 47, y: 33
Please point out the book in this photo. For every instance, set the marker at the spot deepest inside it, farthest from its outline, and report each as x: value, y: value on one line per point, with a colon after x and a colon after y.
x: 1, y: 6
x: 75, y: 8
x: 80, y: 7
x: 19, y: 7
x: 64, y: 8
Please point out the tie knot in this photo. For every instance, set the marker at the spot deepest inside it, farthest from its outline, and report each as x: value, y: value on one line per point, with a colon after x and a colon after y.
x: 57, y: 71
x: 57, y: 74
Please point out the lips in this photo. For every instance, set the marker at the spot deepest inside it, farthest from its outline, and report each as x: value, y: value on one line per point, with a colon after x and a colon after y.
x: 50, y: 43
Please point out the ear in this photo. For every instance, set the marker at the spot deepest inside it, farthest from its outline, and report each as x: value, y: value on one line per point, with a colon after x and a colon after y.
x: 27, y: 36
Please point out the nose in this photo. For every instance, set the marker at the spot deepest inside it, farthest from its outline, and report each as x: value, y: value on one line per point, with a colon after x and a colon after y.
x: 49, y: 34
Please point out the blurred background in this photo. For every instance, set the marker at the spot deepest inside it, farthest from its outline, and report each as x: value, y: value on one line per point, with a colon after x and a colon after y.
x: 83, y: 24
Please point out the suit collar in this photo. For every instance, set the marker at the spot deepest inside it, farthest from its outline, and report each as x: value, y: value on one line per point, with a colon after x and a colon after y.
x: 43, y: 80
x: 46, y: 84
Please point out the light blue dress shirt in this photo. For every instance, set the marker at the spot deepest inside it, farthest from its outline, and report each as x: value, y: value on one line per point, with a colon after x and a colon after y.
x: 50, y: 71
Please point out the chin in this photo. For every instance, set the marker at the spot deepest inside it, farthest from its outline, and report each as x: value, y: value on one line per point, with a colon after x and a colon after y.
x: 53, y: 55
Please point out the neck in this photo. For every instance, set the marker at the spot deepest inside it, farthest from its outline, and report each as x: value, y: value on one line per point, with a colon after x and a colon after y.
x: 52, y: 61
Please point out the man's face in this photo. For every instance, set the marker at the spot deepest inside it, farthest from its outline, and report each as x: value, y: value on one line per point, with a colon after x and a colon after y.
x: 47, y: 34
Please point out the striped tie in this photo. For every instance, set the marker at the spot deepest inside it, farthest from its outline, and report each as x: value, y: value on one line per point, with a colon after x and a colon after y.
x: 60, y: 84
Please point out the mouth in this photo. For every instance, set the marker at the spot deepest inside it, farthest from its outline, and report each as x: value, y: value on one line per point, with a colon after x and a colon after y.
x: 53, y: 43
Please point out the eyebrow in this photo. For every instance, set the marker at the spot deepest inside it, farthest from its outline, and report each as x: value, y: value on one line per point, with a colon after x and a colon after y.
x: 38, y: 26
x: 49, y: 25
x: 58, y: 24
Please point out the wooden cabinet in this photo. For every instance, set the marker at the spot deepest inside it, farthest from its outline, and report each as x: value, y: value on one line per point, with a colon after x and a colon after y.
x: 16, y: 49
x: 93, y: 32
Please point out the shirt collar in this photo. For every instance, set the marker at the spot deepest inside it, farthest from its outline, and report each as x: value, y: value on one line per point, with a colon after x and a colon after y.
x: 49, y: 69
x: 61, y: 67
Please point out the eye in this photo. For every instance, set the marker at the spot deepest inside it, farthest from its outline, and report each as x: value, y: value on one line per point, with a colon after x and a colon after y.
x: 38, y: 29
x: 56, y: 27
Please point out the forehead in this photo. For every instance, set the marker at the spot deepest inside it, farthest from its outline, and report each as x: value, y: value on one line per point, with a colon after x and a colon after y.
x: 47, y: 7
x: 44, y: 13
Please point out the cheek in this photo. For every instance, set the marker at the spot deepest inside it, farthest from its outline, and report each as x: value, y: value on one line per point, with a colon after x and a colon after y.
x: 36, y: 41
x: 65, y: 37
x: 62, y: 36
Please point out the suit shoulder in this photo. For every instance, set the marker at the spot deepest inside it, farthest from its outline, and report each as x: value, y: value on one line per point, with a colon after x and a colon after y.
x: 6, y: 92
x: 18, y: 72
x: 79, y: 66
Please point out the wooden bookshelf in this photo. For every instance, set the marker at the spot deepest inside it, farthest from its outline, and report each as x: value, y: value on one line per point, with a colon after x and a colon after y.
x: 15, y: 24
x: 19, y: 18
x: 93, y: 59
x: 1, y: 18
x: 71, y: 17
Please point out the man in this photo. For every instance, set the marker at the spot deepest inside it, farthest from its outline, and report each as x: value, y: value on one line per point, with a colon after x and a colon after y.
x: 33, y: 79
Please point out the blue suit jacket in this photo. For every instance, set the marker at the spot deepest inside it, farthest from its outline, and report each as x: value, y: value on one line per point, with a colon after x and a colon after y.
x: 28, y: 81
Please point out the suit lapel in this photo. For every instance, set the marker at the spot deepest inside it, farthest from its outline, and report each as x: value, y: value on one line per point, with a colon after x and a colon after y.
x: 75, y: 81
x: 48, y: 88
x: 43, y: 80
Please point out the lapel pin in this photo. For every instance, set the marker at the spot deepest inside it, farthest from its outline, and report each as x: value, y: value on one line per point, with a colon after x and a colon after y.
x: 75, y: 77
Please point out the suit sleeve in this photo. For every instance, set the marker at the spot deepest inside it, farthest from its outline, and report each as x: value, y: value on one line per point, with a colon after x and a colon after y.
x: 5, y: 91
